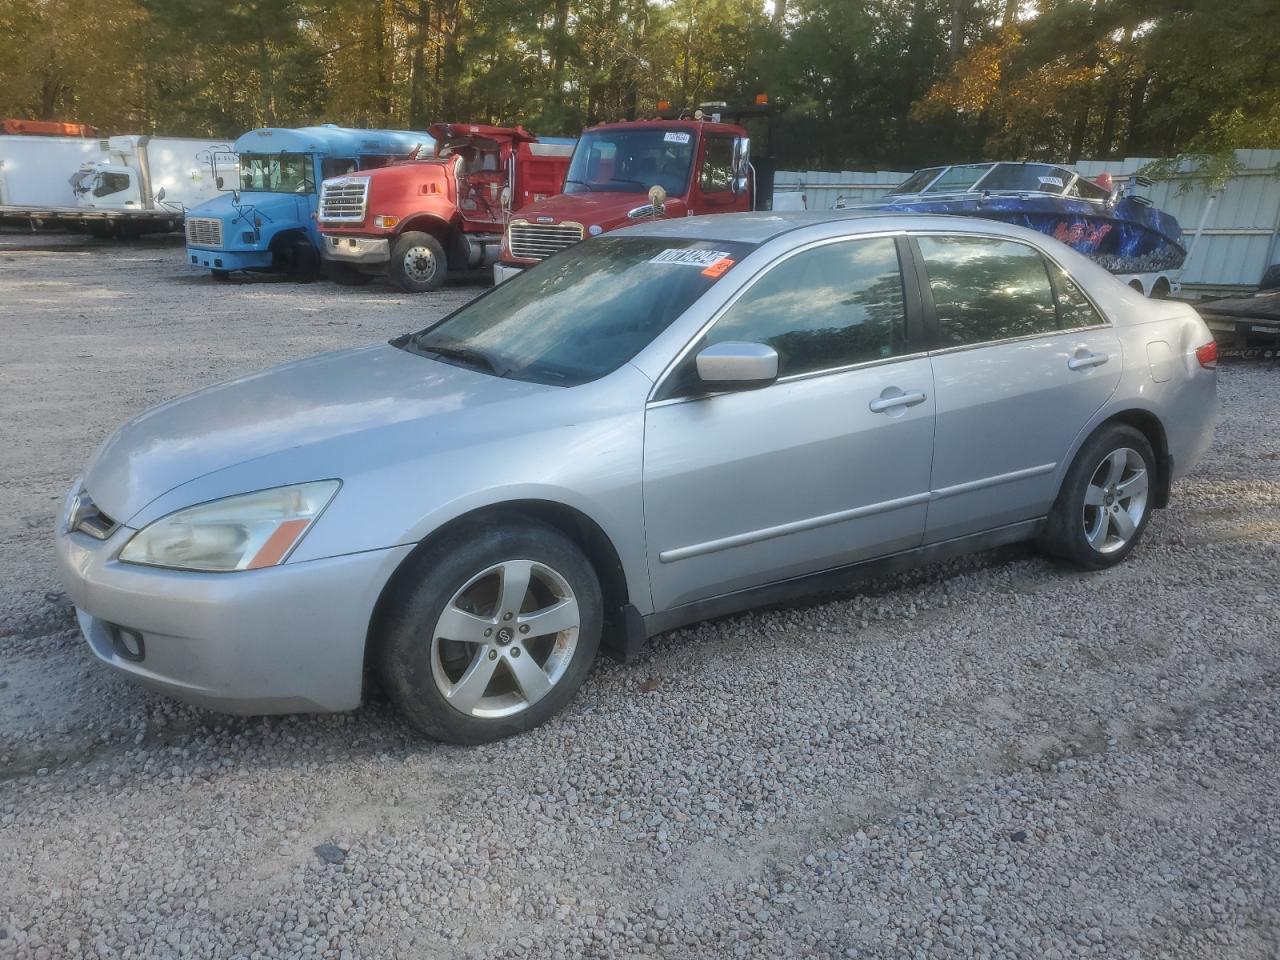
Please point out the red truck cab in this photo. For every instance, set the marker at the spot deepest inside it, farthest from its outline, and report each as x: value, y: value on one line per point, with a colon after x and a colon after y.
x: 439, y: 213
x: 699, y: 166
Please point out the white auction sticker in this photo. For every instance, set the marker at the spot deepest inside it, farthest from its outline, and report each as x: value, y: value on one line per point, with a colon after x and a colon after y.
x: 1051, y: 181
x: 690, y: 258
x: 676, y: 137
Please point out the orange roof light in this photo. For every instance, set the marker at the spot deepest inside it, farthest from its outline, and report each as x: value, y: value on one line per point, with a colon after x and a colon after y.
x: 664, y: 104
x: 762, y: 98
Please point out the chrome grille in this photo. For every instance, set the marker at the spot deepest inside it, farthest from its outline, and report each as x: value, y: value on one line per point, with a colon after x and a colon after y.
x: 537, y: 241
x: 204, y: 232
x: 343, y: 200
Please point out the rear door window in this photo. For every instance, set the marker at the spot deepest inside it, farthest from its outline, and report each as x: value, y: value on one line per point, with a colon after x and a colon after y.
x: 985, y: 289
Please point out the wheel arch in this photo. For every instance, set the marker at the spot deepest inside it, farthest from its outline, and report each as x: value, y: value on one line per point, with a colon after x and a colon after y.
x: 1149, y: 425
x: 287, y: 235
x: 431, y: 223
x: 585, y: 532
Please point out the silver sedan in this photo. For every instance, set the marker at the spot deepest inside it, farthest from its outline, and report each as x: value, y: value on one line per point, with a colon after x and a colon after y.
x: 670, y: 423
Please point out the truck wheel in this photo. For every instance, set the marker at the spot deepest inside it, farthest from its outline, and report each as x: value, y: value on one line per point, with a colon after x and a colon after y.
x: 418, y: 263
x: 492, y: 632
x: 220, y: 275
x: 301, y: 262
x: 345, y: 275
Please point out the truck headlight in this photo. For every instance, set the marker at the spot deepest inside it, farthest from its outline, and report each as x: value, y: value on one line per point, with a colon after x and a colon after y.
x: 243, y: 532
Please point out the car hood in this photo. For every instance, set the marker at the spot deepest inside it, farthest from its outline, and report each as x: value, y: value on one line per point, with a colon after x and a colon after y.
x: 298, y: 404
x: 606, y: 209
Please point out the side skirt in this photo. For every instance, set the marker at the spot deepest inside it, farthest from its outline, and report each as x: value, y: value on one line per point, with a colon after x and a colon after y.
x: 824, y: 581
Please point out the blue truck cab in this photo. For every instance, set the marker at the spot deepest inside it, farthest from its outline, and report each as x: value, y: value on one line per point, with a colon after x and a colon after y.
x: 268, y: 223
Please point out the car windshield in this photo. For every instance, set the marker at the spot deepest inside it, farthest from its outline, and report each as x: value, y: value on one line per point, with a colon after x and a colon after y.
x: 582, y: 313
x: 631, y: 160
x: 276, y: 173
x: 1040, y: 177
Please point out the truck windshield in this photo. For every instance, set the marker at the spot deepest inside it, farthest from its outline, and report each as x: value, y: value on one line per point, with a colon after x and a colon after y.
x: 582, y: 313
x: 276, y: 173
x: 632, y: 160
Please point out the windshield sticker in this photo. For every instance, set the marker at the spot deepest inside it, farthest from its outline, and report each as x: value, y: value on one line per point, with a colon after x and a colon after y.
x: 675, y: 137
x: 1051, y: 181
x: 718, y: 268
x: 691, y: 258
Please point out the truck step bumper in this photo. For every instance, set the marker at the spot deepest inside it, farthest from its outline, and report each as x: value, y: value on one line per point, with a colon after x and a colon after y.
x: 357, y: 250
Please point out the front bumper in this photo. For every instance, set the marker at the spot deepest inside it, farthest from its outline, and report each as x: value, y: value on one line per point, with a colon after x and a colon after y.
x: 284, y: 639
x: 356, y: 249
x: 505, y: 271
x: 228, y: 259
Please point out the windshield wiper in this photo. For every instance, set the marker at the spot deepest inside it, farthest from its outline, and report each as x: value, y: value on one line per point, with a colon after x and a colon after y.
x: 638, y: 183
x: 464, y: 355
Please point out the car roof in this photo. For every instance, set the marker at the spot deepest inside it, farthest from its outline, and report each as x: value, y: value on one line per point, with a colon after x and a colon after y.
x: 759, y: 227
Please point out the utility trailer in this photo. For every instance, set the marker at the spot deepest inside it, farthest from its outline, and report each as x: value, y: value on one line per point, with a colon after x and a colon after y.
x: 1245, y: 328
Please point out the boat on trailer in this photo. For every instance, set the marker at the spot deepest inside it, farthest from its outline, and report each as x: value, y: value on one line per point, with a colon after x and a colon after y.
x: 1117, y: 228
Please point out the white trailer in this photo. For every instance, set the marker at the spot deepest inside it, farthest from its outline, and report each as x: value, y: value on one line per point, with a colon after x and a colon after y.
x: 128, y: 186
x: 34, y: 171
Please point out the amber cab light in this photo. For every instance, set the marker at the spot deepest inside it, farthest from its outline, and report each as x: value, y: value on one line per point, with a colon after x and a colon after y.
x: 1208, y: 355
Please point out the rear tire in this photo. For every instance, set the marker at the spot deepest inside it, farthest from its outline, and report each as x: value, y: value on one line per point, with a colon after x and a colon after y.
x: 418, y: 262
x: 459, y: 653
x: 222, y: 276
x: 1105, y: 500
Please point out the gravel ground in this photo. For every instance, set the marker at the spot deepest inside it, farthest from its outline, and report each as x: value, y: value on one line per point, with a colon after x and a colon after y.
x: 990, y: 757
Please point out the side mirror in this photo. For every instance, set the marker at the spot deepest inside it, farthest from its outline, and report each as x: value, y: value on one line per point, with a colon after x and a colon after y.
x: 159, y: 194
x: 218, y: 181
x: 736, y: 365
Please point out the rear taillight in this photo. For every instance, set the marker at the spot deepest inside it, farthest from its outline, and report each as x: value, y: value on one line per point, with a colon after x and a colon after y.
x: 1208, y: 355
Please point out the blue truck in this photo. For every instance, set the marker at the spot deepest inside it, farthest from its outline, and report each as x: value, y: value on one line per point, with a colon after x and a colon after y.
x: 266, y: 219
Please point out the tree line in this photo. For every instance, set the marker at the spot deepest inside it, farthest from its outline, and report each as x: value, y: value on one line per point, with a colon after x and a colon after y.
x: 859, y: 83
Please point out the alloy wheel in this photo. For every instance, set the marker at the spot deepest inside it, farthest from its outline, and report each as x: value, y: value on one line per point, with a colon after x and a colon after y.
x: 1115, y: 501
x: 505, y: 639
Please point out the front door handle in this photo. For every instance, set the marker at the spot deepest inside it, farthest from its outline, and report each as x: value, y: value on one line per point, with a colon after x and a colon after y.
x: 1082, y: 361
x: 895, y: 398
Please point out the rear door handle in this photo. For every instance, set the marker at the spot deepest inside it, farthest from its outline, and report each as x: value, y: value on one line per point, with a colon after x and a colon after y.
x: 1082, y: 361
x: 882, y: 403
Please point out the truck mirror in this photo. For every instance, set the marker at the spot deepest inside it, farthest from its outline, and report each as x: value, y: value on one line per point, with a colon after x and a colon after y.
x: 160, y: 195
x: 218, y: 181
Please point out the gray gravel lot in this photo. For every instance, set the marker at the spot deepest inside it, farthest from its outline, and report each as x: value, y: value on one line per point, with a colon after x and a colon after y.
x: 991, y: 757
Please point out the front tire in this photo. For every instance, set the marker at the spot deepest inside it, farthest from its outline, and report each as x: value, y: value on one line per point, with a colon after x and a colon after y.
x: 418, y: 263
x: 221, y: 276
x: 491, y: 632
x: 1105, y: 500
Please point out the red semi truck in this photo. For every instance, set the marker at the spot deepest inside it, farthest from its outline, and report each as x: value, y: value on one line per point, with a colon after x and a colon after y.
x: 630, y: 171
x: 422, y: 219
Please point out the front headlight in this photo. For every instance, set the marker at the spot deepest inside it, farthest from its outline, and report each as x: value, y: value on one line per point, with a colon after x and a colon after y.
x: 244, y: 532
